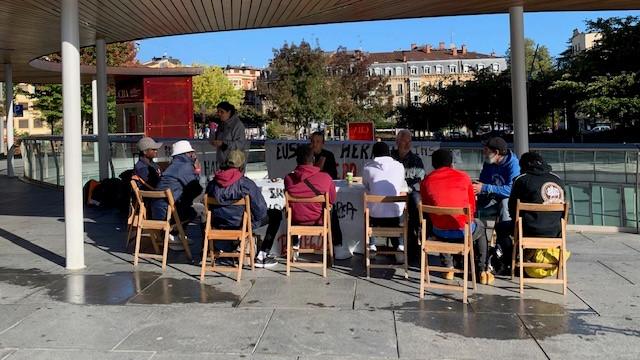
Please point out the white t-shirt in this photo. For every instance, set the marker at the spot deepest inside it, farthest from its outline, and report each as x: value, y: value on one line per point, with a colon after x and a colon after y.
x: 384, y: 176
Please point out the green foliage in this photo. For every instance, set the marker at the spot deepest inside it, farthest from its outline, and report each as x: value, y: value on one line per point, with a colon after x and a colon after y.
x: 212, y: 87
x: 49, y: 103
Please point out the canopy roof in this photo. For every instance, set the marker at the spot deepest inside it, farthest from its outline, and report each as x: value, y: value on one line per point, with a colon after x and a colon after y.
x: 31, y: 28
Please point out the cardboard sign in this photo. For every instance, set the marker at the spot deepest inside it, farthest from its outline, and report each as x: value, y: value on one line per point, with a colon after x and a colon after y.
x: 361, y: 131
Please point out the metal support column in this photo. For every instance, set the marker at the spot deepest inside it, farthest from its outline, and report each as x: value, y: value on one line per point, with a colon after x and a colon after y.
x: 518, y: 81
x: 103, y: 120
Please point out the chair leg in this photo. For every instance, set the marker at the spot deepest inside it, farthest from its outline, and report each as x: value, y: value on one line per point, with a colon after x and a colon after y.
x: 563, y: 261
x: 406, y: 258
x: 367, y: 260
x: 241, y: 259
x: 330, y: 237
x: 203, y: 267
x: 465, y: 276
x: 520, y: 261
x: 288, y: 253
x: 252, y: 253
x: 136, y: 254
x: 424, y: 269
x: 516, y: 244
x: 325, y: 240
x: 165, y: 248
x: 472, y: 257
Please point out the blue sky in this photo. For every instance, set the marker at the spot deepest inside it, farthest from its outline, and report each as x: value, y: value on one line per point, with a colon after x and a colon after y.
x: 482, y: 33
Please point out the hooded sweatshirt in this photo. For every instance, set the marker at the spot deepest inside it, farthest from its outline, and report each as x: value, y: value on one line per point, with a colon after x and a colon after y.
x: 228, y: 186
x: 294, y: 183
x: 538, y: 185
x: 498, y: 178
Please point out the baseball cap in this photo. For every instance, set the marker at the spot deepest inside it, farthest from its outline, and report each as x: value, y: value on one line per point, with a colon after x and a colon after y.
x: 497, y: 143
x: 147, y: 143
x: 235, y: 159
x: 181, y: 147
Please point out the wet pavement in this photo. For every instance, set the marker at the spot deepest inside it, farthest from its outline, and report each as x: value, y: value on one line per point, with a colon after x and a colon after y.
x: 112, y: 311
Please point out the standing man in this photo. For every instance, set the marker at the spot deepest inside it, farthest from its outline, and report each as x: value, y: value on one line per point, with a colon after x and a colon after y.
x: 147, y: 169
x: 413, y: 173
x: 496, y: 179
x: 230, y: 134
x: 323, y: 158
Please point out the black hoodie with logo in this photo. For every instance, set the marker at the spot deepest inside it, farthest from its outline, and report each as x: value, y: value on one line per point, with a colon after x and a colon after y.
x: 537, y: 184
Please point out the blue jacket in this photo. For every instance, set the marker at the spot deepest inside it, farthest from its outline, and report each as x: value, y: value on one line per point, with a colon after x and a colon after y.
x: 498, y: 178
x: 181, y: 178
x: 228, y: 186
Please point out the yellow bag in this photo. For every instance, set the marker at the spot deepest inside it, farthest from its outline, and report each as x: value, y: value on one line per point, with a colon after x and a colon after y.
x: 543, y: 256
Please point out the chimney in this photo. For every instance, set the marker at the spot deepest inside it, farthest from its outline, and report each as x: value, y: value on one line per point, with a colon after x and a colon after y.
x: 454, y: 50
x: 464, y: 49
x: 404, y: 58
x: 414, y: 47
x: 427, y: 48
x: 441, y: 45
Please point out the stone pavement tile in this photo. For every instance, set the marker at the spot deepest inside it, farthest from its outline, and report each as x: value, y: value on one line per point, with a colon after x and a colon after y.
x: 301, y: 293
x: 627, y: 270
x: 610, y: 300
x: 582, y: 273
x: 538, y: 299
x: 586, y: 336
x: 105, y: 289
x: 181, y: 289
x: 345, y: 358
x: 50, y: 354
x: 463, y: 336
x: 205, y: 356
x: 330, y: 332
x: 590, y: 245
x: 16, y: 285
x: 399, y: 294
x: 199, y: 330
x: 4, y: 353
x: 75, y: 327
x: 10, y: 315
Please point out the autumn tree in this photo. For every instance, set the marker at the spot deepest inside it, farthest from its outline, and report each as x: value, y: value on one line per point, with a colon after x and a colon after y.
x: 212, y: 87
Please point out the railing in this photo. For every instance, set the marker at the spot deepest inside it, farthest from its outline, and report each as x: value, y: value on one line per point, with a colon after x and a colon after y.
x: 602, y: 181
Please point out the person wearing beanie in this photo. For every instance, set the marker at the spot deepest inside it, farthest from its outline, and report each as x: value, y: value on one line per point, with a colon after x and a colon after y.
x: 181, y: 176
x: 448, y: 187
x: 496, y: 179
x: 538, y: 185
x: 385, y: 176
x: 230, y: 185
x: 146, y: 168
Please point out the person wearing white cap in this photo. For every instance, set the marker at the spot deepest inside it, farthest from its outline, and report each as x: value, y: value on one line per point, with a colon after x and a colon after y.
x: 147, y: 169
x: 182, y: 178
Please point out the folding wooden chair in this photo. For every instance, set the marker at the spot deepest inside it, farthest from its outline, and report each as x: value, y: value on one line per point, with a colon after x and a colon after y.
x: 157, y: 227
x: 322, y: 231
x: 387, y: 232
x: 132, y: 219
x: 243, y: 235
x: 464, y: 248
x: 522, y: 242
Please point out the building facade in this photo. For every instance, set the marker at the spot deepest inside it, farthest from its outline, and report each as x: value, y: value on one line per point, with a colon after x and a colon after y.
x: 245, y: 78
x: 582, y: 41
x: 29, y: 121
x: 408, y: 71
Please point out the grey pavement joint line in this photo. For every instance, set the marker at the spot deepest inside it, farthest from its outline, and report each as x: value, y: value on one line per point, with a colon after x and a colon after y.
x: 245, y: 294
x: 532, y: 336
x: 630, y: 247
x: 586, y: 237
x: 11, y: 352
x: 586, y: 303
x: 355, y: 294
x: 134, y: 329
x: 615, y: 272
x: 21, y: 320
x: 255, y: 347
x: 395, y: 330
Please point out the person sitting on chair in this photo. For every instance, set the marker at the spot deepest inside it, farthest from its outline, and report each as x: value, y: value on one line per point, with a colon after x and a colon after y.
x: 448, y: 187
x: 307, y: 181
x: 537, y: 185
x: 385, y: 176
x: 147, y: 169
x: 230, y: 185
x: 182, y: 178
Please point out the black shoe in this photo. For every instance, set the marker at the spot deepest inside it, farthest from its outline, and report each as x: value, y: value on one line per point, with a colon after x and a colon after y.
x: 267, y: 262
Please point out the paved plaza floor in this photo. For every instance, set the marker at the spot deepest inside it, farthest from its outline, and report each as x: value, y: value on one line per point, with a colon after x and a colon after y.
x: 109, y: 310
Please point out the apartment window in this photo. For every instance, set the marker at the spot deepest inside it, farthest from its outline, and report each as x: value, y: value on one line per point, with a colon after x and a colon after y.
x: 415, y: 98
x: 426, y: 69
x: 415, y: 86
x: 388, y: 71
x: 466, y: 68
x: 495, y: 67
x: 400, y: 89
x: 389, y: 90
x: 453, y: 69
x: 378, y: 71
x: 23, y: 124
x: 398, y: 71
x: 414, y: 70
x: 480, y: 66
x: 37, y: 123
x: 438, y: 69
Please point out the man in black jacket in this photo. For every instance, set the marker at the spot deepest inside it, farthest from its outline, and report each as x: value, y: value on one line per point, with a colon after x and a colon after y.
x: 538, y: 185
x: 323, y: 158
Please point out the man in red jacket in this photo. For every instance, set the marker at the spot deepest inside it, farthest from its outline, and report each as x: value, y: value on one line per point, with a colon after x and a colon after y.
x: 448, y: 187
x: 307, y: 181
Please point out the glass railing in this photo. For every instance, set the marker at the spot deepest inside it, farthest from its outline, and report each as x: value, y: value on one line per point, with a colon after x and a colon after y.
x: 601, y: 180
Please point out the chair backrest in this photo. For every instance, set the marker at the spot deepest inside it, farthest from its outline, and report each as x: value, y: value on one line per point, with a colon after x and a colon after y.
x: 384, y: 199
x: 318, y: 199
x: 446, y: 211
x: 156, y: 195
x: 140, y: 183
x: 560, y: 207
x: 245, y: 202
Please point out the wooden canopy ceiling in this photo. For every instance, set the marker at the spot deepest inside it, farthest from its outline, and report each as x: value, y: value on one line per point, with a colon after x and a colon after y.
x: 31, y: 28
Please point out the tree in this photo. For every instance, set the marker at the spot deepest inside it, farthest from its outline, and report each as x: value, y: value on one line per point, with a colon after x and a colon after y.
x: 537, y: 59
x: 212, y: 87
x: 49, y: 103
x: 297, y: 87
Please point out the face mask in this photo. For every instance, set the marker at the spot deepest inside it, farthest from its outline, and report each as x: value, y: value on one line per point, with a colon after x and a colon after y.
x: 491, y: 158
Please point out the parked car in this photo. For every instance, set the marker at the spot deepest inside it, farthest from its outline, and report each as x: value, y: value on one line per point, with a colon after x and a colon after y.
x: 600, y: 128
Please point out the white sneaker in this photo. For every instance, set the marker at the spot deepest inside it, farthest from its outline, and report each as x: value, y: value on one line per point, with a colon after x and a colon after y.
x: 175, y: 244
x: 341, y: 253
x: 373, y: 248
x: 400, y: 257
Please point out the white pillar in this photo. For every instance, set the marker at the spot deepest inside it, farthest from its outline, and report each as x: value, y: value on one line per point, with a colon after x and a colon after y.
x: 8, y: 93
x: 518, y: 81
x: 94, y: 112
x: 103, y: 120
x: 72, y: 124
